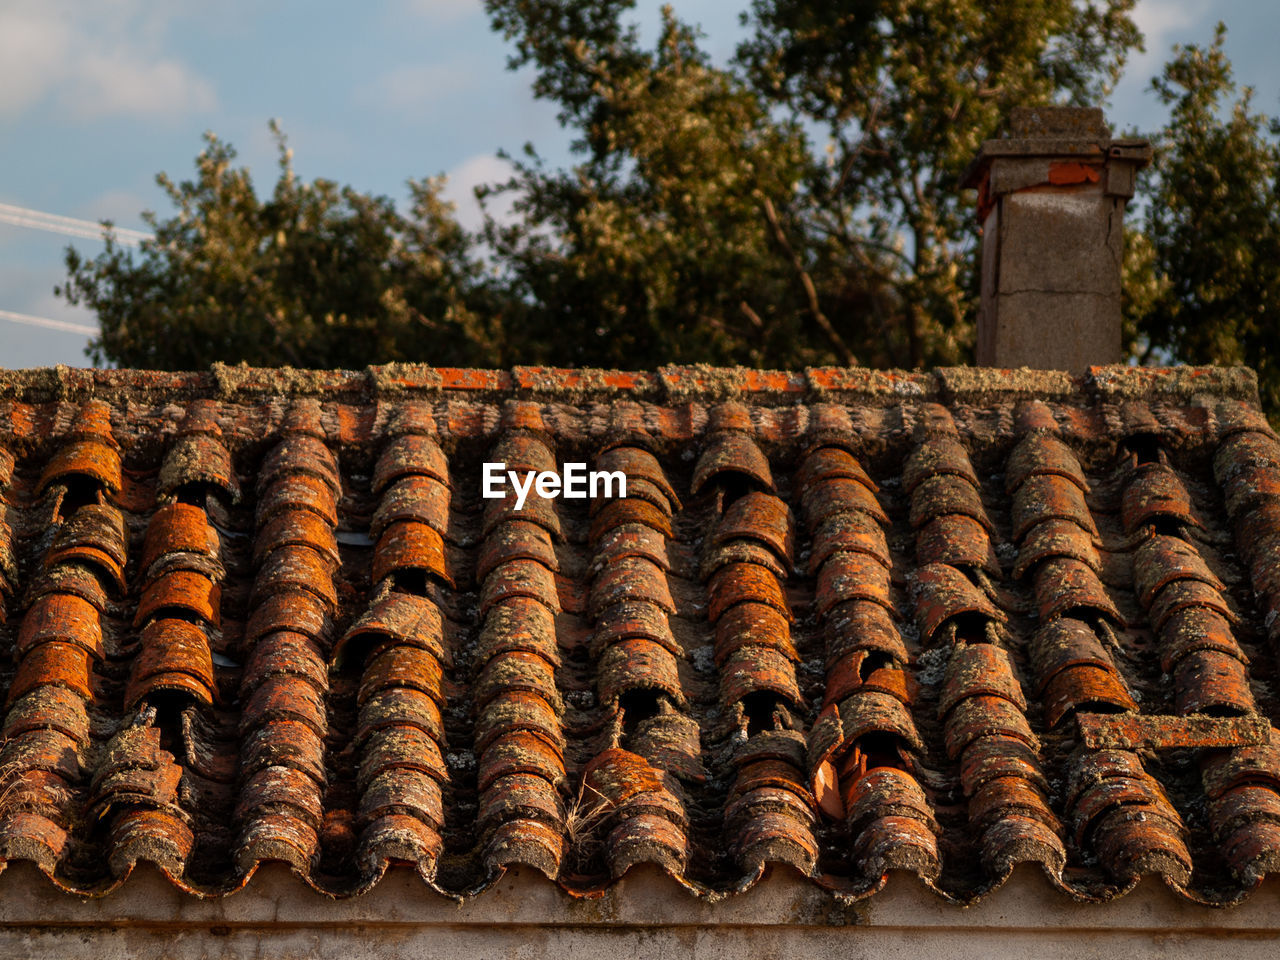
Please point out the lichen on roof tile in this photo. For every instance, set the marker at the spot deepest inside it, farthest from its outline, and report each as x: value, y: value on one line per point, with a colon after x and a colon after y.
x: 842, y: 621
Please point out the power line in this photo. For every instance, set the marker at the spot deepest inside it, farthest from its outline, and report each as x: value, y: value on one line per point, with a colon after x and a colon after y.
x: 64, y: 325
x: 68, y: 226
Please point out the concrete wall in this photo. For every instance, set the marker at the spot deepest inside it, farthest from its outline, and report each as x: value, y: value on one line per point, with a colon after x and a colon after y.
x: 1051, y: 279
x: 646, y: 915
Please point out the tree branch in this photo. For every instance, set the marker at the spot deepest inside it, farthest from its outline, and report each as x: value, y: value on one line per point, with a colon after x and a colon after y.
x: 872, y: 119
x: 810, y: 291
x: 751, y: 315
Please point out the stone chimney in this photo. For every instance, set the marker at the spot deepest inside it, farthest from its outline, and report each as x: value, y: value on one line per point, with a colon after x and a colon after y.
x: 1051, y: 200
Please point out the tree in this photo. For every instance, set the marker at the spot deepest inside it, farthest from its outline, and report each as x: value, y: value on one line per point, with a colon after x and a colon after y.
x: 665, y: 244
x: 797, y: 205
x: 864, y: 247
x: 1204, y: 275
x: 314, y: 276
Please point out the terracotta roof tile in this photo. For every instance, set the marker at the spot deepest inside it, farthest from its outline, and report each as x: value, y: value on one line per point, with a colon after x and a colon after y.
x: 844, y: 622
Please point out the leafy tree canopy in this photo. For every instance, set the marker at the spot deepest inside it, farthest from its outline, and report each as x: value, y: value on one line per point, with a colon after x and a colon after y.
x: 1203, y: 273
x: 797, y: 205
x: 317, y: 275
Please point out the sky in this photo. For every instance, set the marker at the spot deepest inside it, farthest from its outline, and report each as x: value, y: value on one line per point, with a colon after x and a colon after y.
x: 97, y: 96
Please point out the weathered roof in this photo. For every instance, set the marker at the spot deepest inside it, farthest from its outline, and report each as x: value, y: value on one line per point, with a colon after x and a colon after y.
x: 844, y: 620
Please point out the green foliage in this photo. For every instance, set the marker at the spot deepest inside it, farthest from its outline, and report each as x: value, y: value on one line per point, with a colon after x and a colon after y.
x: 704, y: 224
x: 907, y: 91
x: 1205, y: 280
x: 798, y: 205
x: 314, y: 276
x: 658, y: 247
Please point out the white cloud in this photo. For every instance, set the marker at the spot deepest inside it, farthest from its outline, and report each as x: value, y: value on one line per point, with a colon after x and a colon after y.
x: 1160, y: 20
x: 1166, y: 22
x: 30, y: 48
x: 118, y: 84
x: 481, y: 169
x: 94, y: 59
x: 1163, y: 23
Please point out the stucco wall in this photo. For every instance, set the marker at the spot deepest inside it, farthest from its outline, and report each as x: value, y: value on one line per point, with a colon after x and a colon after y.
x: 645, y: 915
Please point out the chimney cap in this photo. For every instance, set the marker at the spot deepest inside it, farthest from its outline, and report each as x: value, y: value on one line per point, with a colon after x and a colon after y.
x: 1049, y: 122
x: 1068, y: 133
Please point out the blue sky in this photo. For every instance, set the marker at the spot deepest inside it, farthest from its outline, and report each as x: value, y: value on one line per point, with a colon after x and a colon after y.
x: 97, y: 96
